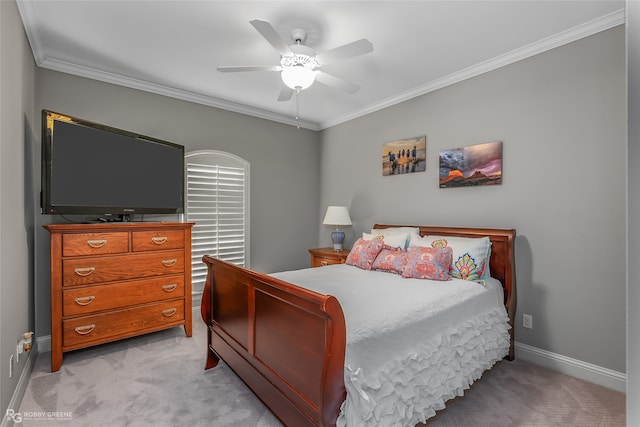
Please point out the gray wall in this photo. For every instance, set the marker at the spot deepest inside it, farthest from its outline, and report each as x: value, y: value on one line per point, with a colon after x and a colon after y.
x: 561, y: 116
x: 284, y: 164
x: 17, y: 142
x: 633, y: 292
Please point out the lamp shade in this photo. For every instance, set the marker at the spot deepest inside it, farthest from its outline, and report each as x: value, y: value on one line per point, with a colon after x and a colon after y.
x: 298, y: 77
x: 337, y: 215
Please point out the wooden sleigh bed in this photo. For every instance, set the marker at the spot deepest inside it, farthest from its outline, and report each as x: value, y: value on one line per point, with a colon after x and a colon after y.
x: 288, y: 343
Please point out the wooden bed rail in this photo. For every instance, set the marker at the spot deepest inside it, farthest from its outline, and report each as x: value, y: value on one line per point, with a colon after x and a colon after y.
x: 285, y: 342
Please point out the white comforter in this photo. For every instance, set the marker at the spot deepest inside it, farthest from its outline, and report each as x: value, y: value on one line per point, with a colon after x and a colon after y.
x: 412, y: 344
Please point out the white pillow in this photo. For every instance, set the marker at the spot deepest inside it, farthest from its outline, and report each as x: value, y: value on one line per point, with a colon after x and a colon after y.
x: 396, y: 230
x: 417, y: 241
x: 390, y: 231
x: 393, y: 240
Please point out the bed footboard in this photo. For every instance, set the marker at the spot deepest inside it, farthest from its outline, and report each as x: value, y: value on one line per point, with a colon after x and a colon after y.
x: 285, y: 342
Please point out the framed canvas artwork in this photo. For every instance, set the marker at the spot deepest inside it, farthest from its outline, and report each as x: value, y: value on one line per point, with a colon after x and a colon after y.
x: 473, y: 165
x: 404, y: 156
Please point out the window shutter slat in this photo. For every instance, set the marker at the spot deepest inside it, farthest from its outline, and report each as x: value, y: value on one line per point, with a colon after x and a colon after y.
x: 217, y: 201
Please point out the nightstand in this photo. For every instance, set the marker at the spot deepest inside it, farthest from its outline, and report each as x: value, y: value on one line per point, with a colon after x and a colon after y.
x: 327, y: 256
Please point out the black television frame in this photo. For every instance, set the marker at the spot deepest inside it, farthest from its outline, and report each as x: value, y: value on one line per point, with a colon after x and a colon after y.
x: 122, y: 213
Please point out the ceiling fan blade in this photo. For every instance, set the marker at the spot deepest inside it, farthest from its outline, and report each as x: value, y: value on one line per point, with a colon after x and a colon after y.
x: 336, y: 82
x: 271, y: 35
x: 234, y: 69
x: 285, y: 94
x: 348, y: 50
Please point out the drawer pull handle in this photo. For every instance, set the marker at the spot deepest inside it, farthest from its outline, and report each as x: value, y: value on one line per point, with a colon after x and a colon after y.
x: 324, y: 263
x: 169, y: 262
x: 84, y: 271
x: 85, y: 330
x: 169, y: 312
x: 85, y: 300
x: 159, y: 240
x: 97, y: 243
x: 170, y: 288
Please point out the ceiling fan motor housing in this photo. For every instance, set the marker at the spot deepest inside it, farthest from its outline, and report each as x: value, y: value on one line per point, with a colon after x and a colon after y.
x: 302, y: 56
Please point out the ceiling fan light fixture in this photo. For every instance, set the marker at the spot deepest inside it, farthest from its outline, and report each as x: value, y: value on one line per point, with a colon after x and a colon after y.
x: 298, y: 77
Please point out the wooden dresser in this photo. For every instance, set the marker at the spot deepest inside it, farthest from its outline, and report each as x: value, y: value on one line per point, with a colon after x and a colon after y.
x: 117, y: 280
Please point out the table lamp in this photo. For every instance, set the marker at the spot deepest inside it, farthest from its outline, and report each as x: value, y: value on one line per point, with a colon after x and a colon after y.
x: 337, y: 216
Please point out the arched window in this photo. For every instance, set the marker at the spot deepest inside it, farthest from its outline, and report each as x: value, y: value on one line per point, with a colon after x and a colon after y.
x: 217, y: 200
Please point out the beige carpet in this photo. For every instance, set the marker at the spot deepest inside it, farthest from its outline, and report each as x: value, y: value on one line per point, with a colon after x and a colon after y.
x: 159, y: 380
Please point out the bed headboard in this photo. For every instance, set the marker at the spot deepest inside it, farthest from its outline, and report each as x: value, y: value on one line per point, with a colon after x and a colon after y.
x: 502, y: 262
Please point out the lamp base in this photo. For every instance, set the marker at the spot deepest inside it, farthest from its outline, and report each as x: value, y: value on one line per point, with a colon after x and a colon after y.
x: 337, y: 237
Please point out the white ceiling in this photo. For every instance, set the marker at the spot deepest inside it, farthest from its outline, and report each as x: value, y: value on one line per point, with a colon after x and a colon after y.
x: 173, y: 47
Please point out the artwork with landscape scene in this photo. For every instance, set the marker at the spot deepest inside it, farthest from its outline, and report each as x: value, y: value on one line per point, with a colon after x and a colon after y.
x: 479, y: 164
x: 404, y: 156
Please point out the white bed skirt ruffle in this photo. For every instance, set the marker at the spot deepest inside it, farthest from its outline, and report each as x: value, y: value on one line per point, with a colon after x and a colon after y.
x: 410, y: 390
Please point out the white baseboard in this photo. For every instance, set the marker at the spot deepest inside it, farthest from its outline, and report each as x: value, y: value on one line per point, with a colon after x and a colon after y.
x: 576, y: 368
x: 21, y: 387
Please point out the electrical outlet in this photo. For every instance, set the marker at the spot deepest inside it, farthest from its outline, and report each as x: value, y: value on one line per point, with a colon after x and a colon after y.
x: 11, y: 366
x: 527, y: 321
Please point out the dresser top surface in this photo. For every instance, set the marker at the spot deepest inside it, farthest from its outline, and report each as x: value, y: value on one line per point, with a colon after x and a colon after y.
x: 112, y: 226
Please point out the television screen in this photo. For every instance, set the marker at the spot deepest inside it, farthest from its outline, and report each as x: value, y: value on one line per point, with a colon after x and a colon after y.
x: 89, y: 168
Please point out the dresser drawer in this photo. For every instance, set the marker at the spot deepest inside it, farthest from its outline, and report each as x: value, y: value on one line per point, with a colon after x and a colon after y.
x: 83, y: 331
x: 108, y: 269
x: 94, y: 244
x: 157, y: 240
x: 328, y: 256
x: 81, y: 301
x: 320, y: 261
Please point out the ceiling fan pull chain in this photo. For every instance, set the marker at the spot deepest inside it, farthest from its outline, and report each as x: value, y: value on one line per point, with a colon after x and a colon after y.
x: 298, y: 108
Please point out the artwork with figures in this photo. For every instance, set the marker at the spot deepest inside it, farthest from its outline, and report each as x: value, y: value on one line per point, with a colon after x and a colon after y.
x: 473, y: 165
x: 404, y: 156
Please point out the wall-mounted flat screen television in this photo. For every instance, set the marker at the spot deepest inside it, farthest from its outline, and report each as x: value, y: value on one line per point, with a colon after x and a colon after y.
x: 93, y: 169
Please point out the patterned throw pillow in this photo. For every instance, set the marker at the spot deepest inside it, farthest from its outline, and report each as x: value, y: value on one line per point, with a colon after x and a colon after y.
x: 470, y: 255
x: 390, y: 260
x: 428, y: 263
x: 363, y: 253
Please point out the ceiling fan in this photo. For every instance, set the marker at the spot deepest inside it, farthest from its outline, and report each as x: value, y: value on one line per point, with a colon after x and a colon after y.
x: 300, y: 65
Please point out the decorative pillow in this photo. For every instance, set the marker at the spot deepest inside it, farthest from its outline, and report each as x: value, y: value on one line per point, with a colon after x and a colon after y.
x: 363, y: 253
x: 390, y: 260
x: 391, y: 241
x: 368, y: 236
x: 394, y: 231
x: 415, y: 240
x: 470, y: 255
x: 428, y: 263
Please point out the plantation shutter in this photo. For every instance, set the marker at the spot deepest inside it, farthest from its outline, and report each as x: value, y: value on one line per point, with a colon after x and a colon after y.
x: 217, y: 201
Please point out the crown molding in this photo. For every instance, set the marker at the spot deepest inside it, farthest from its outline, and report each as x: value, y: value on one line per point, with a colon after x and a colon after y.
x: 103, y: 76
x: 28, y: 15
x: 29, y: 18
x: 587, y: 29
